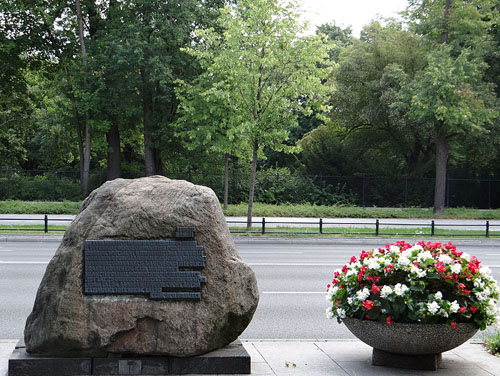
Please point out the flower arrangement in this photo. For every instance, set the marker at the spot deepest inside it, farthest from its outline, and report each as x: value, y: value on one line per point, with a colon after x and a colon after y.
x: 421, y: 283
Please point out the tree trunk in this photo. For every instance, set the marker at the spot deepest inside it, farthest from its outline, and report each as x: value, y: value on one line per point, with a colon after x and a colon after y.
x: 252, y: 185
x: 226, y: 179
x: 114, y: 151
x: 147, y: 111
x: 76, y: 122
x: 441, y: 163
x: 444, y: 34
x: 440, y: 139
x: 86, y: 161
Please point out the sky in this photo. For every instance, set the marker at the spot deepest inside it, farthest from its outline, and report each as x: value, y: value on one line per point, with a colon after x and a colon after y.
x: 356, y: 13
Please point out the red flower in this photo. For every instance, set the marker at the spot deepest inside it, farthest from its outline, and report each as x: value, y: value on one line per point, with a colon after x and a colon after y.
x: 440, y: 267
x: 353, y: 259
x: 375, y: 289
x: 453, y: 325
x: 345, y: 268
x: 461, y: 286
x: 368, y: 304
x: 364, y: 255
x: 462, y: 309
x: 473, y: 309
x: 389, y: 321
x: 466, y: 292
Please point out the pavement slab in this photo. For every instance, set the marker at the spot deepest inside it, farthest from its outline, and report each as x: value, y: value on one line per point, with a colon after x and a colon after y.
x: 337, y: 358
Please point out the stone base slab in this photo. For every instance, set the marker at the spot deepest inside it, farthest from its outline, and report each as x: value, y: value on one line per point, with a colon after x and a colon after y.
x: 228, y: 360
x: 428, y: 362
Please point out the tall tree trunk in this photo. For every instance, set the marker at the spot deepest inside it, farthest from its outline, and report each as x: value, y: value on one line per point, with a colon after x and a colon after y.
x: 440, y: 139
x: 114, y: 151
x: 76, y: 122
x: 444, y: 34
x: 226, y: 179
x: 252, y: 185
x: 147, y: 112
x: 441, y: 163
x: 86, y: 160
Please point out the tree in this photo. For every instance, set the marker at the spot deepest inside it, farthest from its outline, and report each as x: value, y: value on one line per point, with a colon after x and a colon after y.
x: 368, y: 79
x: 270, y: 73
x: 207, y: 120
x: 450, y: 93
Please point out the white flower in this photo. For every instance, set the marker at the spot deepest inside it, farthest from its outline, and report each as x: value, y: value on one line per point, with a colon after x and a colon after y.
x: 400, y: 289
x: 415, y: 248
x: 484, y: 271
x: 445, y: 259
x: 454, y: 306
x: 407, y: 253
x: 478, y: 283
x: 350, y: 299
x: 456, y: 268
x: 492, y: 309
x: 373, y: 264
x: 329, y: 313
x: 419, y: 272
x: 466, y: 256
x: 341, y: 313
x: 403, y: 261
x: 433, y: 307
x: 438, y: 295
x: 394, y: 249
x: 483, y: 295
x: 443, y: 313
x: 351, y: 272
x: 331, y: 292
x: 362, y: 295
x: 385, y: 292
x: 424, y: 256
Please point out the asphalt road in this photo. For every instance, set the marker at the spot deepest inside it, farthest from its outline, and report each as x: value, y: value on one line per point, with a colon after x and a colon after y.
x: 292, y: 280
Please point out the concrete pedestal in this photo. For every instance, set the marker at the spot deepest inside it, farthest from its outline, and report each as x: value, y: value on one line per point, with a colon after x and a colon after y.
x: 428, y: 362
x: 228, y: 360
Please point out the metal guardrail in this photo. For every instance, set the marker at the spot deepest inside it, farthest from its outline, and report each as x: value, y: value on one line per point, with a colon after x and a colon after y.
x: 318, y: 226
x: 321, y: 228
x: 44, y: 220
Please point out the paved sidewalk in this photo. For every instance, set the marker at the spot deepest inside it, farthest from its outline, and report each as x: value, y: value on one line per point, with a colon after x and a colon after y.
x: 337, y: 358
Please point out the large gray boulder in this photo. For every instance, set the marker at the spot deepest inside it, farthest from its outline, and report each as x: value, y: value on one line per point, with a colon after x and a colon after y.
x: 65, y: 322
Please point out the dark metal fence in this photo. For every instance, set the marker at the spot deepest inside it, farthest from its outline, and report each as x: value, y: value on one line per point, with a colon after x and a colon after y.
x: 320, y: 226
x: 276, y: 187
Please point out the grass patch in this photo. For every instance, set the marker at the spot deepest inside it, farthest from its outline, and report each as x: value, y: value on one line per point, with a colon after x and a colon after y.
x: 268, y: 210
x: 493, y: 344
x: 39, y: 207
x: 29, y: 229
x: 318, y: 211
x: 359, y: 231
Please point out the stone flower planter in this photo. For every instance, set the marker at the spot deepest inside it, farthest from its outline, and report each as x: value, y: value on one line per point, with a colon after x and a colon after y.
x: 415, y: 346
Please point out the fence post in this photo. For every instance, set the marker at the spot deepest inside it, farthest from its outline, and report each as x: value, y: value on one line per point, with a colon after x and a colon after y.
x: 263, y: 225
x: 377, y: 223
x: 46, y: 223
x: 321, y: 225
x: 432, y: 227
x: 487, y: 229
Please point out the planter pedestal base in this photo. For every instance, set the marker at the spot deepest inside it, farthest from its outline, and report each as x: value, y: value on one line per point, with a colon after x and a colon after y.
x: 429, y: 362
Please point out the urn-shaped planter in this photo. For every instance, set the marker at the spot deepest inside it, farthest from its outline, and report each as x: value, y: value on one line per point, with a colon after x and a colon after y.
x: 409, y: 345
